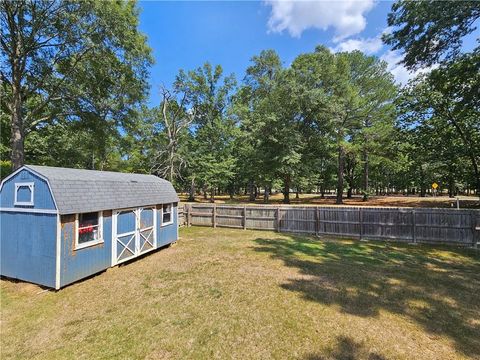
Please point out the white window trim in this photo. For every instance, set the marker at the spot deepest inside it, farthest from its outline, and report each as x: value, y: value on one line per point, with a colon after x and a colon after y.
x: 31, y: 186
x: 100, y: 239
x: 171, y: 215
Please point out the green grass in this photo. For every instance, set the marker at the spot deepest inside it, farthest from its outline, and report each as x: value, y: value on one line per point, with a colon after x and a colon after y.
x: 257, y: 295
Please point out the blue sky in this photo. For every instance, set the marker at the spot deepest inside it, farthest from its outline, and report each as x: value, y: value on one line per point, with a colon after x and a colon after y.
x: 185, y: 35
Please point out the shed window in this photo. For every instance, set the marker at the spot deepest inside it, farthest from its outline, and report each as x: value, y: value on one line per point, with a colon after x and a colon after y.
x: 89, y: 229
x: 167, y: 214
x: 24, y: 194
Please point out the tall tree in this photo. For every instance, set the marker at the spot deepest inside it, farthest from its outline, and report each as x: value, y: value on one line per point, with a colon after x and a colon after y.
x: 209, y: 97
x: 430, y: 32
x: 433, y: 102
x: 172, y: 120
x: 377, y: 91
x: 345, y: 95
x: 254, y: 107
x: 69, y: 60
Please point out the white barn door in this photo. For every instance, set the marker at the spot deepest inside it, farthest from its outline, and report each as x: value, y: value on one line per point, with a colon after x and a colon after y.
x: 146, y: 230
x: 133, y: 233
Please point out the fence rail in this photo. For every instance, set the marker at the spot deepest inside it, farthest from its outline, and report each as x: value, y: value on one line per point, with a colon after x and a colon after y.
x: 445, y: 226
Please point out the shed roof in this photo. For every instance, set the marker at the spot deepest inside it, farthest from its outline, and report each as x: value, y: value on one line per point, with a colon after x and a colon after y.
x: 79, y: 191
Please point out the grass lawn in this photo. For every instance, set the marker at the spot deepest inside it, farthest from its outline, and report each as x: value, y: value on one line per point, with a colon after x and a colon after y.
x: 222, y: 293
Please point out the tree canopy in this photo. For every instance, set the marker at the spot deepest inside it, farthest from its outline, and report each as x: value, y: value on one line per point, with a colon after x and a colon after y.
x: 71, y: 61
x: 430, y: 32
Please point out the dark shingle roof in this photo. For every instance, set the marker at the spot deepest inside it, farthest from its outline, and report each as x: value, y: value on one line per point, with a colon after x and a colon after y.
x: 78, y: 190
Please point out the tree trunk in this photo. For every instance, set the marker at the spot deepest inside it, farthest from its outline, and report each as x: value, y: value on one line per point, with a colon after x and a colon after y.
x: 212, y: 195
x: 17, y: 133
x: 251, y: 191
x: 349, y: 192
x: 297, y: 193
x: 17, y: 67
x: 341, y: 163
x: 451, y: 186
x: 266, y: 194
x: 286, y: 189
x: 477, y: 177
x: 422, y: 183
x: 191, y: 195
x: 365, y: 171
x: 17, y: 139
x: 171, y: 164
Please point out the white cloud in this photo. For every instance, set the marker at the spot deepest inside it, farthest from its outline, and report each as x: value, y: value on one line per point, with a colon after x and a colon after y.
x: 400, y: 72
x: 368, y: 46
x: 346, y: 17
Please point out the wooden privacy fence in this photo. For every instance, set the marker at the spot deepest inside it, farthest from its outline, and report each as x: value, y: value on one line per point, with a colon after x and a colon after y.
x: 447, y: 226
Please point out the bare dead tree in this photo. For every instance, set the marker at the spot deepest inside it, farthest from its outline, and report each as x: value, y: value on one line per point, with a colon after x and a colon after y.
x: 168, y: 162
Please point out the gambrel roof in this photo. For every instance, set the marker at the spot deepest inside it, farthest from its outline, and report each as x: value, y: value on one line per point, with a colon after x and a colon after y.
x: 79, y: 191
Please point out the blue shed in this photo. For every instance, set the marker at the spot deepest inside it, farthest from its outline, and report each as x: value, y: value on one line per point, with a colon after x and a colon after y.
x: 60, y: 225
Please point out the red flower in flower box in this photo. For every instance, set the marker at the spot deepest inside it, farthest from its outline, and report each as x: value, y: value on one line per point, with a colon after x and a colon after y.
x: 86, y: 230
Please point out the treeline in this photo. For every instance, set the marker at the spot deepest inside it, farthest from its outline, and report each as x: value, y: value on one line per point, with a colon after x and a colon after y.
x: 326, y: 121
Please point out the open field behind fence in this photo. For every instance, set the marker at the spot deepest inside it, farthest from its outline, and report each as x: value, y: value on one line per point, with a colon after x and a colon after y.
x: 446, y: 226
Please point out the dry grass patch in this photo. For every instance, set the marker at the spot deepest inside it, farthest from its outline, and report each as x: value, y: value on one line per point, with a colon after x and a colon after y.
x: 257, y: 295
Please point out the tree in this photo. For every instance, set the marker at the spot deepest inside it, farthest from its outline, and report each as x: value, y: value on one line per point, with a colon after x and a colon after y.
x: 434, y: 102
x: 377, y: 92
x: 209, y: 97
x: 172, y: 120
x: 345, y: 95
x: 271, y: 126
x: 324, y: 81
x: 255, y: 107
x: 429, y: 32
x: 70, y: 61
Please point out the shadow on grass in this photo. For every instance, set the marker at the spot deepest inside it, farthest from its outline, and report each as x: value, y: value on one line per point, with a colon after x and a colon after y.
x: 436, y: 288
x: 347, y: 349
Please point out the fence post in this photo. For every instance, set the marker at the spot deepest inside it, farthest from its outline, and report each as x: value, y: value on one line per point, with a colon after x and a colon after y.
x: 323, y: 223
x: 317, y: 221
x: 244, y: 217
x: 414, y: 226
x: 360, y: 220
x: 279, y: 218
x: 214, y: 217
x: 474, y: 229
x: 189, y: 214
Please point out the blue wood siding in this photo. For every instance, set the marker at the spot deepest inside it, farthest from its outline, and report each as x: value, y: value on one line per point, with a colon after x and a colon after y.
x: 168, y: 233
x: 24, y: 194
x: 81, y: 263
x: 28, y: 246
x: 42, y: 198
